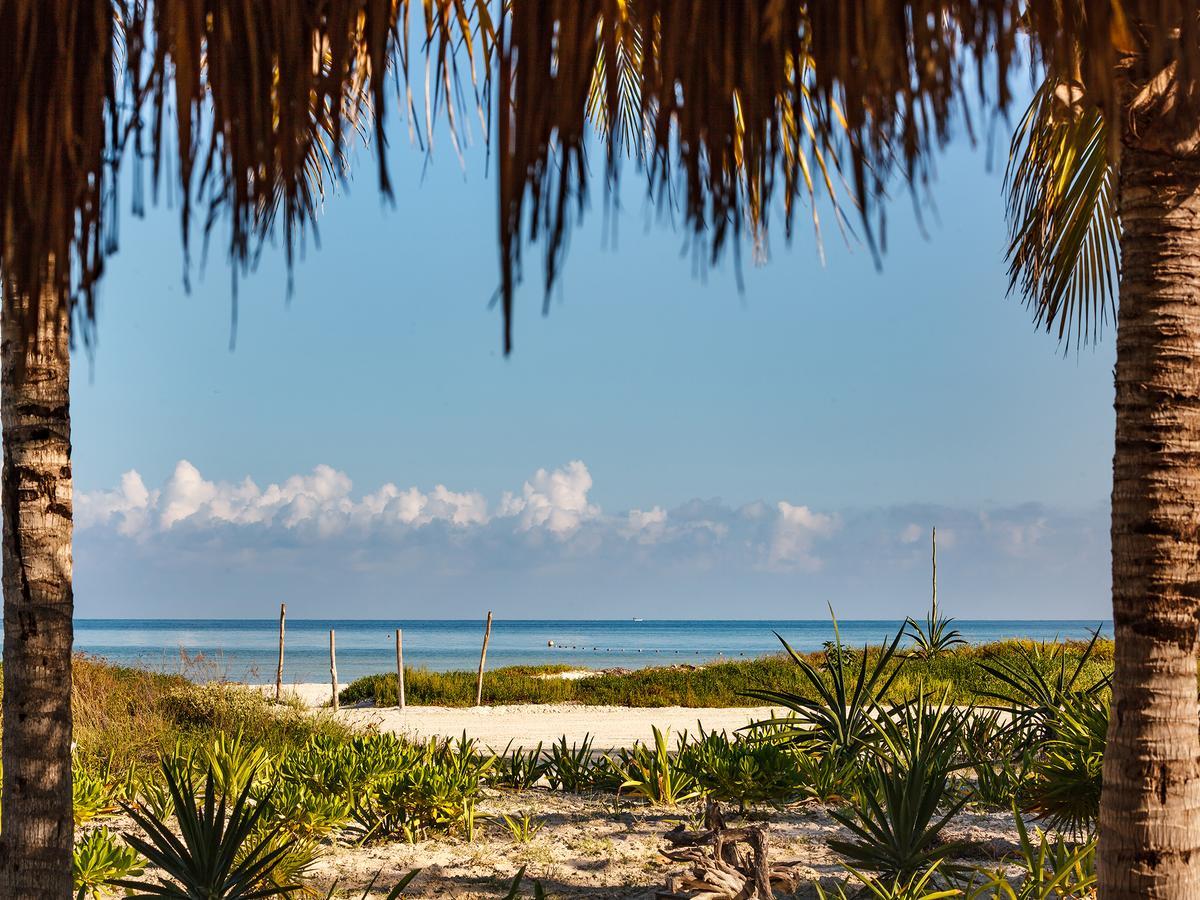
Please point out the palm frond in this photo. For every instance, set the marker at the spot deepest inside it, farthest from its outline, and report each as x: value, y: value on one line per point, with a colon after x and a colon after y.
x: 1064, y: 230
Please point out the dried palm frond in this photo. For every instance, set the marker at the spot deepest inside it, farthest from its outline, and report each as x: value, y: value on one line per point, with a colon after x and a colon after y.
x: 736, y: 98
x: 58, y: 101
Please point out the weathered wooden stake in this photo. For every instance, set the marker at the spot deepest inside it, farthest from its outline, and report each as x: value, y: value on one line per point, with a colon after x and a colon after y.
x: 279, y: 670
x: 487, y: 634
x: 333, y: 669
x: 399, y: 669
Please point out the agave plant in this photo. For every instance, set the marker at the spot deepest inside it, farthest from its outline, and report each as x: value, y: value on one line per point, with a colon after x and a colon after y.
x: 906, y: 798
x: 838, y: 720
x: 219, y: 854
x: 935, y: 635
x: 743, y: 771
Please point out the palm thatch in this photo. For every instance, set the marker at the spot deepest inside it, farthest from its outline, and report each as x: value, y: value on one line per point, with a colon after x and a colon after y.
x: 731, y: 107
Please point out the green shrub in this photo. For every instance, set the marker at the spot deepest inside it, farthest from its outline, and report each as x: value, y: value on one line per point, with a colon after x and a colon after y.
x: 654, y: 773
x: 742, y: 771
x: 100, y: 859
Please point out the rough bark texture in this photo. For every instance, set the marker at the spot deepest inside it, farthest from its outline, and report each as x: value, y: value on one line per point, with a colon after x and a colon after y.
x: 35, y: 843
x: 1150, y: 806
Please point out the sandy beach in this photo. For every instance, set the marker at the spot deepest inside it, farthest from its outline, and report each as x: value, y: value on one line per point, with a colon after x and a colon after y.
x: 528, y: 724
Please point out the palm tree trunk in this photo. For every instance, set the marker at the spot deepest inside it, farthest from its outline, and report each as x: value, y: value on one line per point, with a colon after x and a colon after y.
x: 36, y: 835
x: 1150, y: 805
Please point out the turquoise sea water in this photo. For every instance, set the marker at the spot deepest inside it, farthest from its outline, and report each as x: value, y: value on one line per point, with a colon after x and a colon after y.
x: 246, y: 649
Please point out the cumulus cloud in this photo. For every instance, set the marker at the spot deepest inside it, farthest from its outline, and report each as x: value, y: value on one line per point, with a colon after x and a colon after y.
x: 555, y: 500
x: 796, y: 529
x: 319, y: 528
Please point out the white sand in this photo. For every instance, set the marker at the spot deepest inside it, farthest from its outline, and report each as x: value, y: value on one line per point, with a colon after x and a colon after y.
x: 528, y: 723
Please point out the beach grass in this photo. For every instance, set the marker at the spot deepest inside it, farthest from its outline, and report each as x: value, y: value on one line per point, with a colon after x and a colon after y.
x: 961, y: 674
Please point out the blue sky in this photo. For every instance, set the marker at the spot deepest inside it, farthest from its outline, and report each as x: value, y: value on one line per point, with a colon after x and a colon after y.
x: 660, y: 444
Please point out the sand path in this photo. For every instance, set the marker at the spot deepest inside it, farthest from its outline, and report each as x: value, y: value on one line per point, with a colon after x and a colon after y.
x: 526, y: 724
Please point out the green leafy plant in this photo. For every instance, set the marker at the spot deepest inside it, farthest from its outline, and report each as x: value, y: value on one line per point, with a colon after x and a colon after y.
x: 396, y: 893
x: 742, y: 770
x: 219, y: 853
x: 94, y: 795
x: 435, y: 792
x: 100, y: 859
x: 1050, y: 869
x: 837, y: 719
x: 524, y: 827
x: 571, y: 767
x: 518, y: 769
x: 919, y: 886
x: 233, y: 761
x: 514, y: 889
x: 653, y: 774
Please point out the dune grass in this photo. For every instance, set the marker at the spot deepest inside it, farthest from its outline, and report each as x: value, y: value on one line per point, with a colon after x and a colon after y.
x: 721, y: 684
x: 132, y: 716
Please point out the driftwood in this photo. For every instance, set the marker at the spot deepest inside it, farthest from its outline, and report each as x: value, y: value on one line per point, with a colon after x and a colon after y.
x: 725, y: 863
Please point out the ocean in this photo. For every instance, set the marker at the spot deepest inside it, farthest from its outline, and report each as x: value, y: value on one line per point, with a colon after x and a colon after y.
x: 247, y: 649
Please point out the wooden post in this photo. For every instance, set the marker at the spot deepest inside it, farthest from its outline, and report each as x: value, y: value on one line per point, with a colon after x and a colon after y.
x: 279, y: 670
x: 487, y: 634
x: 399, y: 669
x: 333, y: 669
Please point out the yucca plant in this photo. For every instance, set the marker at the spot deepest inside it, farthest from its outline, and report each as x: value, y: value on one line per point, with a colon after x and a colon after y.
x: 219, y: 853
x: 653, y: 773
x: 906, y: 797
x: 1040, y: 682
x: 1000, y: 765
x: 99, y: 860
x: 1063, y: 787
x: 838, y: 720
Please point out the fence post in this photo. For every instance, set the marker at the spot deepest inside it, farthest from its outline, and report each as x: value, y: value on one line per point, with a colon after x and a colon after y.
x: 487, y: 634
x: 333, y: 669
x: 399, y: 669
x: 279, y: 670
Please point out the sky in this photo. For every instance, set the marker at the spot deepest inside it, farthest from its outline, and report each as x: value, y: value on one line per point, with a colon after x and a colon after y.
x: 662, y: 443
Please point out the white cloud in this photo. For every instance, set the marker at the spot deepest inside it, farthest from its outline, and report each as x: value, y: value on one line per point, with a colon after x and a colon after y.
x: 646, y: 526
x: 555, y: 500
x: 130, y: 504
x: 911, y: 533
x: 795, y: 530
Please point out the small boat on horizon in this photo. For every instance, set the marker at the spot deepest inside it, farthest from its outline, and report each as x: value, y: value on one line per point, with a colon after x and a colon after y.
x: 638, y: 619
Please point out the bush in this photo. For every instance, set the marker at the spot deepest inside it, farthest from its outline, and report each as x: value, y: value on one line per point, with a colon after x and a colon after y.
x: 743, y: 771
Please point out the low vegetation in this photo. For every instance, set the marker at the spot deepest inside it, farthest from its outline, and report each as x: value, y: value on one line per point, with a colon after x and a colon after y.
x: 967, y: 674
x: 211, y: 790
